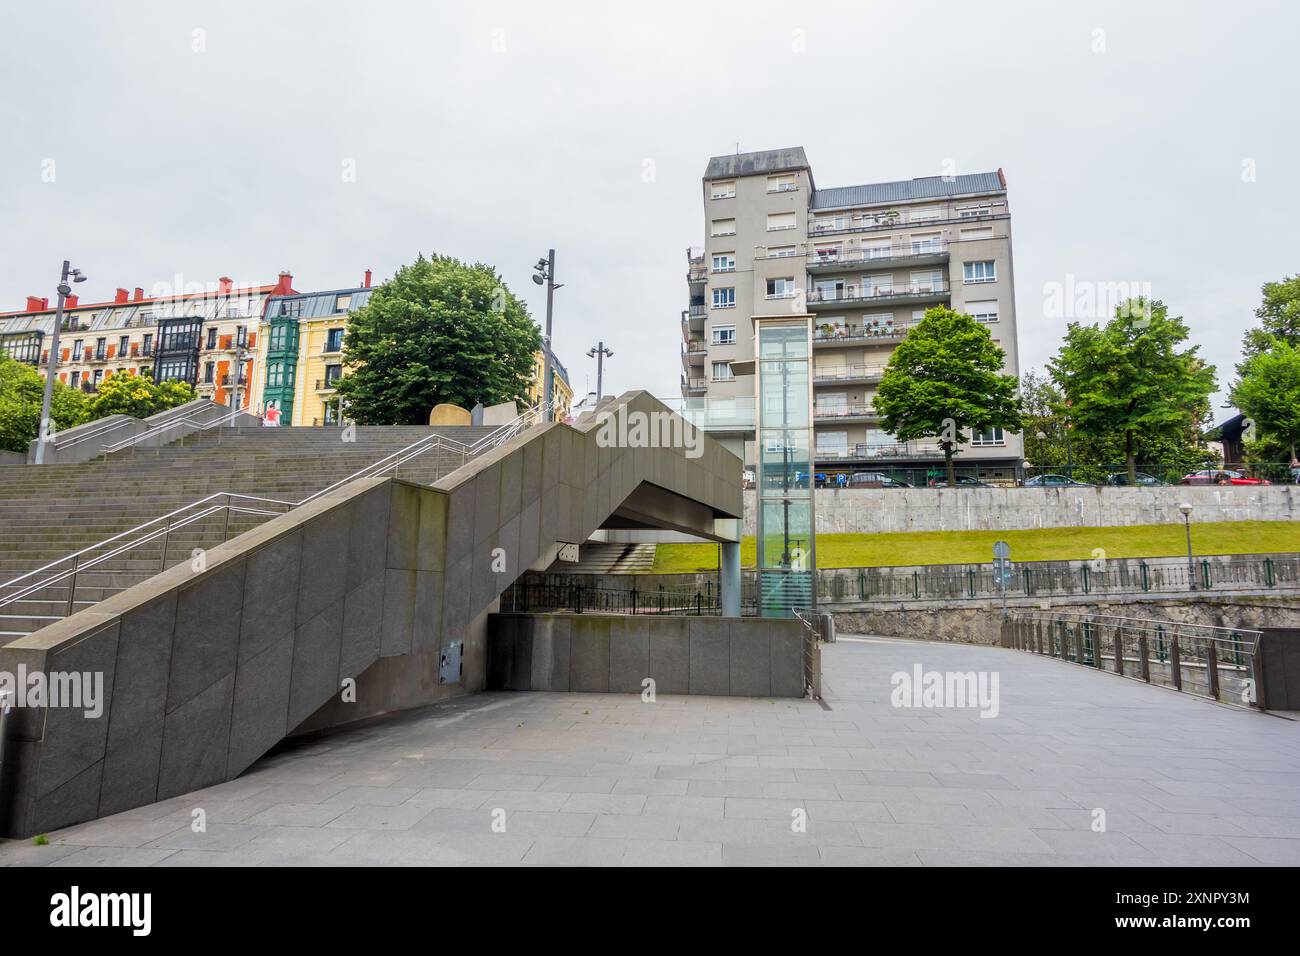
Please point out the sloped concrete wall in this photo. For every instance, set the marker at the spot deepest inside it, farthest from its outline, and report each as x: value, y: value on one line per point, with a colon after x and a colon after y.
x: 209, y: 664
x: 616, y: 653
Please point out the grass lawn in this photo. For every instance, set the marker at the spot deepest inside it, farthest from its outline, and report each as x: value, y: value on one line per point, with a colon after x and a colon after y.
x: 1047, y: 544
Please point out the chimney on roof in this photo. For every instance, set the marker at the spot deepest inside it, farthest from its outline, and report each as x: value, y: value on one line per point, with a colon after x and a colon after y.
x: 34, y: 303
x: 1002, y: 178
x: 71, y: 301
x: 225, y: 284
x: 367, y: 282
x: 121, y: 296
x: 285, y: 285
x: 139, y: 294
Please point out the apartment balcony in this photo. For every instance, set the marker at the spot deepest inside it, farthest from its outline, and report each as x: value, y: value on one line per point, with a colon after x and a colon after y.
x: 914, y: 254
x: 693, y: 352
x: 901, y: 294
x: 326, y: 384
x: 855, y: 412
x: 865, y: 453
x: 831, y: 336
x: 696, y: 269
x: 693, y: 322
x: 849, y: 224
x: 694, y: 387
x: 848, y: 375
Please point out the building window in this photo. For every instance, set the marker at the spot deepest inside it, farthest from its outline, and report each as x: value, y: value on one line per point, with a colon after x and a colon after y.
x: 784, y: 183
x: 781, y: 220
x: 927, y: 281
x: 101, y: 349
x: 722, y: 372
x: 146, y: 347
x: 924, y: 214
x: 829, y: 253
x: 209, y: 373
x: 332, y: 374
x: 334, y: 340
x: 241, y: 336
x: 986, y: 311
x: 781, y: 252
x: 832, y: 444
x: 99, y: 376
x: 76, y: 379
x: 212, y: 337
x: 927, y: 242
x: 829, y: 224
x: 878, y: 284
x: 724, y: 335
x: 989, y: 436
x: 724, y: 298
x: 343, y: 303
x: 981, y: 232
x: 77, y: 346
x: 723, y: 227
x: 982, y: 271
x: 975, y: 211
x: 780, y: 288
x: 123, y: 344
x: 725, y: 189
x: 724, y: 262
x: 332, y: 413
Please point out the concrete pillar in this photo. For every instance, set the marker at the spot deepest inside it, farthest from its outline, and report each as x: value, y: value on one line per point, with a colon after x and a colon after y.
x: 729, y: 578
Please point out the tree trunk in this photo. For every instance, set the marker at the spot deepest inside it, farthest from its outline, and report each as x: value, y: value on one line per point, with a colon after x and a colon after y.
x: 1130, y: 457
x: 952, y: 471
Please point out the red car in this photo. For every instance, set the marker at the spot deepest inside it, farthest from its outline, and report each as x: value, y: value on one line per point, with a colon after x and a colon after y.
x: 1220, y: 476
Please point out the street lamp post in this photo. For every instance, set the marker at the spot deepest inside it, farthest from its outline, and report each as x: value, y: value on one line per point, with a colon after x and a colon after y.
x: 1186, y: 508
x: 599, y: 353
x: 51, y: 364
x: 544, y: 274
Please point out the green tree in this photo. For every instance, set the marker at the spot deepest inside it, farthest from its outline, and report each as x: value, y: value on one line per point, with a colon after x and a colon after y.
x: 21, y: 391
x: 1130, y: 379
x: 1042, y: 402
x: 1279, y: 315
x: 946, y: 377
x: 138, y: 395
x: 1268, y: 393
x: 438, y: 331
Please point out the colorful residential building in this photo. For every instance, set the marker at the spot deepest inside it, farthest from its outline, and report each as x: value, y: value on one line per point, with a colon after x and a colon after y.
x: 196, y: 337
x: 561, y: 389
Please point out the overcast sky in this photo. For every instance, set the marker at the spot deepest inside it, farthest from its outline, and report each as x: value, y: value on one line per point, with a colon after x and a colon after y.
x: 1142, y: 142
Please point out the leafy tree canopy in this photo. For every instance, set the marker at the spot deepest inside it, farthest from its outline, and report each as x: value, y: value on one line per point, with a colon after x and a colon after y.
x: 945, y: 378
x: 1279, y: 315
x: 21, y: 391
x: 1268, y: 394
x: 438, y: 331
x: 137, y: 395
x: 1129, y: 378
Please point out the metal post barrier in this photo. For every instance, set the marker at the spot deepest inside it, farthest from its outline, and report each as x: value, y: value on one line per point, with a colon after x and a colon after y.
x: 1146, y: 576
x: 1119, y: 649
x: 1144, y: 664
x: 1086, y: 588
x: 1205, y: 574
x: 1175, y: 663
x: 1212, y: 666
x: 1270, y: 578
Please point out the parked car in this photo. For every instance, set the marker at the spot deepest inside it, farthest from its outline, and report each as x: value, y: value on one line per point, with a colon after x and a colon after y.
x: 875, y: 479
x: 1220, y: 476
x: 963, y: 481
x: 1055, y: 481
x: 1120, y: 479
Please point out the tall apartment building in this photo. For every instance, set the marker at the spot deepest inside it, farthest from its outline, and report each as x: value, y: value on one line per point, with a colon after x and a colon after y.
x: 195, y: 337
x: 865, y: 262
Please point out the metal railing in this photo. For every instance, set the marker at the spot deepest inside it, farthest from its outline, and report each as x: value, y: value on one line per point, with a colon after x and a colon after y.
x: 189, y: 420
x: 877, y: 293
x: 1200, y: 659
x: 70, y: 566
x: 122, y: 423
x: 978, y: 582
x: 847, y: 372
x: 852, y: 410
x: 818, y: 628
x: 828, y: 258
x: 831, y: 225
x: 848, y: 333
x: 578, y: 597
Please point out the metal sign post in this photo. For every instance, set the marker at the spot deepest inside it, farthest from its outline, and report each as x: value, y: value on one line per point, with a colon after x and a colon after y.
x: 1002, y: 570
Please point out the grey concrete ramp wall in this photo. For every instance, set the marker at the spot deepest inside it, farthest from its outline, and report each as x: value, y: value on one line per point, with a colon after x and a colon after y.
x: 209, y: 664
x: 616, y: 653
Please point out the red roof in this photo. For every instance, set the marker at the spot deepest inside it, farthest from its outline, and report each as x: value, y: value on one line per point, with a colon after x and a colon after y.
x: 241, y: 290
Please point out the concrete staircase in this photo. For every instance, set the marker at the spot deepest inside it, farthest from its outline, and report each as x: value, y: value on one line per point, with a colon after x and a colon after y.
x: 597, y: 557
x: 51, y: 511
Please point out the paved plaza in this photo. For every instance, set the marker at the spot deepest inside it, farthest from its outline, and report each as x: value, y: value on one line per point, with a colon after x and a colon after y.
x: 599, y: 779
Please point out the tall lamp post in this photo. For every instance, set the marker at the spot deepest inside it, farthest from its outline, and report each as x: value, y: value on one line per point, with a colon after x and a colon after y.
x: 599, y: 353
x: 544, y: 274
x: 64, y: 291
x: 1186, y: 508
